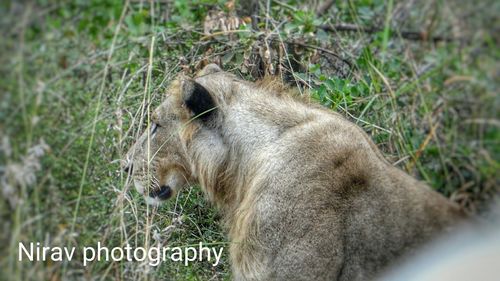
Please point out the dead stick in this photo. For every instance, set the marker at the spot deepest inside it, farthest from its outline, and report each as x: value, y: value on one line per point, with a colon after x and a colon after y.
x: 410, y: 35
x: 323, y: 50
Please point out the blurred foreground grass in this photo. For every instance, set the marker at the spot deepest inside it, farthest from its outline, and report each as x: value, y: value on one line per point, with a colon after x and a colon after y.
x: 76, y: 75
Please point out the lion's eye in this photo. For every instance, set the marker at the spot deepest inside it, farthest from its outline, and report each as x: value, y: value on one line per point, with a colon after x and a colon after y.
x: 154, y: 128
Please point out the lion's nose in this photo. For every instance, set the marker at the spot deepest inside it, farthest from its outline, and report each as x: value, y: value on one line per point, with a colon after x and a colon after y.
x: 163, y: 193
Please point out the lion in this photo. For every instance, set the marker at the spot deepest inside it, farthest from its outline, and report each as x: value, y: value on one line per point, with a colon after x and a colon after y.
x: 305, y: 194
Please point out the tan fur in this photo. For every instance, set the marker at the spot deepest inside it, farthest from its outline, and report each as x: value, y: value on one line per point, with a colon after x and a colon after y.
x: 306, y: 195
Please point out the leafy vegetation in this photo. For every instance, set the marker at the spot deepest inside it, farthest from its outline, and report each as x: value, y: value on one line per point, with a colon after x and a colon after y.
x: 78, y: 78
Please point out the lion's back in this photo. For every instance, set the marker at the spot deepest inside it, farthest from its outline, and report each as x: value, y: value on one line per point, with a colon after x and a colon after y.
x: 333, y: 208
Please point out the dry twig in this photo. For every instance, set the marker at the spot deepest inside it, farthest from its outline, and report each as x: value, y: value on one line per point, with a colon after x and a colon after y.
x: 410, y: 35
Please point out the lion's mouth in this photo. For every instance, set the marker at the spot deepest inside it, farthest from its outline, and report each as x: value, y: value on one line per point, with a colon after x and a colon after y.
x: 164, y: 193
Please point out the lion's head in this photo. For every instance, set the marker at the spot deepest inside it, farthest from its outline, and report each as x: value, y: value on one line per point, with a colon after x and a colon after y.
x: 157, y: 161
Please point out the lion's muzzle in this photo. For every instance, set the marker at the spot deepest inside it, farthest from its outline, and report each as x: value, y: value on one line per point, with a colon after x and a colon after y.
x: 164, y: 193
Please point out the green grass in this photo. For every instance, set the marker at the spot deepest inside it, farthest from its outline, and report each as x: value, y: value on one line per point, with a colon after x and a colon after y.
x: 78, y: 75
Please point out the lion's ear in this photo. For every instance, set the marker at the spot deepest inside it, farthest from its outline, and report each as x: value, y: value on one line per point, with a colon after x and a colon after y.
x: 209, y: 69
x: 198, y: 100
